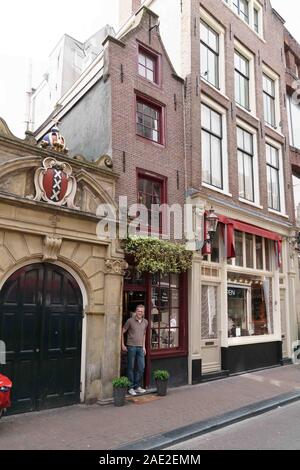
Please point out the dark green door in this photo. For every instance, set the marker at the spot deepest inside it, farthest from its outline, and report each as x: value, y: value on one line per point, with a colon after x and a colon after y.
x: 41, y: 324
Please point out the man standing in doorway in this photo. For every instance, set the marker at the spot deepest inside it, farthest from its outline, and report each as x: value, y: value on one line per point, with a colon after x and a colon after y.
x: 136, y: 328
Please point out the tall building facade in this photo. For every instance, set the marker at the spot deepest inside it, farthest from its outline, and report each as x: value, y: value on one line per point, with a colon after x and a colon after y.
x: 242, y: 312
x: 188, y: 103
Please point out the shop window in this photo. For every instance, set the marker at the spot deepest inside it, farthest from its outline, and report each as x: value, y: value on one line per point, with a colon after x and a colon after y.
x: 237, y: 311
x: 250, y: 306
x: 165, y: 311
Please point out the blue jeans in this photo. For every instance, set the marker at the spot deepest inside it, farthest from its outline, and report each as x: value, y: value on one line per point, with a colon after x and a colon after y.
x: 135, y: 365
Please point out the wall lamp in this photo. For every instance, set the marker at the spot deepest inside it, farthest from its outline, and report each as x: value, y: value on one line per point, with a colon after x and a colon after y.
x: 211, y: 221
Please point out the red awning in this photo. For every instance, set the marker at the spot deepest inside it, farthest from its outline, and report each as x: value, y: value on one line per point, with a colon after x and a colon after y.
x: 247, y: 228
x: 233, y: 225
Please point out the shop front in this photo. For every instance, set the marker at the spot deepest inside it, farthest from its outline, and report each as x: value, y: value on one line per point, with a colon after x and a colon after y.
x: 165, y: 301
x: 247, y: 299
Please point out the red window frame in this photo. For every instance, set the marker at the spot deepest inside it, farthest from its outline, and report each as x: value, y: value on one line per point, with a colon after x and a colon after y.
x: 154, y: 178
x: 159, y: 109
x: 146, y: 287
x: 155, y: 58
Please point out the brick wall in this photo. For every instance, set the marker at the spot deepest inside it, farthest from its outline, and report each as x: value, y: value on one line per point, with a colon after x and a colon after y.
x: 269, y: 51
x: 130, y: 151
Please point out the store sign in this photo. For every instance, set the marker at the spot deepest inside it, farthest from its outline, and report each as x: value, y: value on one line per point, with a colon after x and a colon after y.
x: 236, y: 293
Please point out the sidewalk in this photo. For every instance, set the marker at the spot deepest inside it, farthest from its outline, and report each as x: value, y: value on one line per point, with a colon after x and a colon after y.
x: 100, y: 428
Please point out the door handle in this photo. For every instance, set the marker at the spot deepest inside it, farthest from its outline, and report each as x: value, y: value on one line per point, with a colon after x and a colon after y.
x: 37, y: 350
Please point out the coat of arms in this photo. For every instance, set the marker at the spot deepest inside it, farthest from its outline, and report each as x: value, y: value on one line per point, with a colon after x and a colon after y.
x: 55, y: 184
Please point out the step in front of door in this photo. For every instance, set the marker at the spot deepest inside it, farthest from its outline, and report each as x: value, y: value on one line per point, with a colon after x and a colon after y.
x: 210, y: 376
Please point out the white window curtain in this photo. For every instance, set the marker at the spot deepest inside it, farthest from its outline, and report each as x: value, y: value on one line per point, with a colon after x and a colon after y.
x: 209, y: 324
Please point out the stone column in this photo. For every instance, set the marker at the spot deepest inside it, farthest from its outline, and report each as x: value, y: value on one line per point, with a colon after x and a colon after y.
x: 113, y: 299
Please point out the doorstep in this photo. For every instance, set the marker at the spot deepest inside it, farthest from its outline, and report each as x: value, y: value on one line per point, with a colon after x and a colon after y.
x: 110, y: 401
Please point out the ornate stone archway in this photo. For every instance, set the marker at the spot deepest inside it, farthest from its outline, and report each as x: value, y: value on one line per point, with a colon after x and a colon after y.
x: 35, y: 231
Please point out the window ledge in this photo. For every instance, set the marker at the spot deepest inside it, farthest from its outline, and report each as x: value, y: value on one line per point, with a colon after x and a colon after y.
x: 146, y: 139
x: 281, y: 214
x: 247, y: 112
x: 253, y: 204
x: 219, y: 91
x: 274, y: 129
x: 213, y: 188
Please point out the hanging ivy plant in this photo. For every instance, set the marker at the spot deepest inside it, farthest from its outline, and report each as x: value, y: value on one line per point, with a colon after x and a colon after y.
x: 158, y: 256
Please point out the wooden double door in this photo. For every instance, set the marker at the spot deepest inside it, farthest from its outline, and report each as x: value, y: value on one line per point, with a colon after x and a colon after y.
x: 41, y: 325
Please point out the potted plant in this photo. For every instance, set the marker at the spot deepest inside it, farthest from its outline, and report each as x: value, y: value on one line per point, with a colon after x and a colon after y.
x: 161, y: 378
x: 120, y: 385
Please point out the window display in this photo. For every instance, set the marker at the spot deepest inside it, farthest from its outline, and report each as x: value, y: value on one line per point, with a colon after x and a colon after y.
x: 165, y: 311
x: 250, y: 306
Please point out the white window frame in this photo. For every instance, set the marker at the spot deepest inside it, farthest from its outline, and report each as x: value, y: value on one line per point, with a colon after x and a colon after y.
x: 212, y: 23
x: 216, y: 107
x: 252, y: 94
x: 252, y: 4
x: 276, y: 79
x: 278, y: 146
x: 256, y: 186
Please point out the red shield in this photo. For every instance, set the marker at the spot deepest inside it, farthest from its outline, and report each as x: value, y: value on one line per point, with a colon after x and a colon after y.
x: 55, y: 183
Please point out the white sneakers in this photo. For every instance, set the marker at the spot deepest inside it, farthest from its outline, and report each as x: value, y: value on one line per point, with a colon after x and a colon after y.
x: 133, y: 392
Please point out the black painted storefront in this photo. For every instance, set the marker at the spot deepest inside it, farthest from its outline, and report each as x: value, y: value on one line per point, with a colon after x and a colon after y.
x: 248, y: 357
